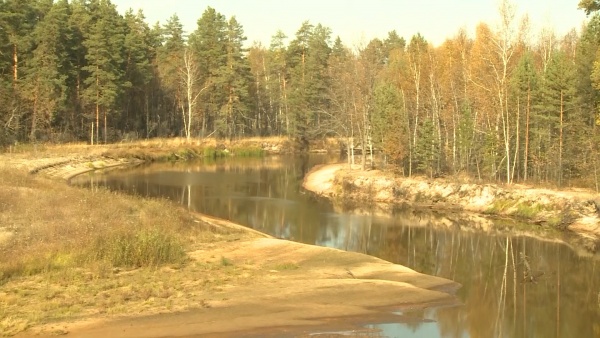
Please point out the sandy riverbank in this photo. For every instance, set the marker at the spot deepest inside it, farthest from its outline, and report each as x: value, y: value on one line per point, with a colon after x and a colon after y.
x: 233, y: 281
x: 575, y: 211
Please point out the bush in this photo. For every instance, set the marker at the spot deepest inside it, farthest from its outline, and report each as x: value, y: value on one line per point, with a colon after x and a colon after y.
x: 499, y: 206
x: 249, y: 151
x: 527, y: 211
x: 212, y: 152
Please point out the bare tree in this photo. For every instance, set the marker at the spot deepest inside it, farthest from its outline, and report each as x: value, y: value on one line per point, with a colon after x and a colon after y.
x: 189, y: 76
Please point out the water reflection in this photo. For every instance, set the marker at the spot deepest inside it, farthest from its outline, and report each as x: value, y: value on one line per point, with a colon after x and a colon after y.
x: 513, y: 286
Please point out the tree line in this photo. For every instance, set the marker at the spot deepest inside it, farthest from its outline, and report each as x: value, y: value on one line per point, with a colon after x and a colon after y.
x: 507, y: 104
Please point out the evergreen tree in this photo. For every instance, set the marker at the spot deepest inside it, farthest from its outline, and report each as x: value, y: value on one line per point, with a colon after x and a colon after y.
x: 319, y: 79
x: 170, y: 65
x: 260, y: 93
x: 426, y: 155
x: 307, y: 61
x: 588, y: 94
x: 279, y: 77
x: 139, y: 55
x: 299, y: 79
x: 235, y: 78
x: 588, y: 87
x: 154, y: 94
x: 524, y: 90
x: 79, y: 23
x: 340, y: 120
x: 393, y: 43
x: 208, y: 44
x: 17, y: 22
x: 390, y: 132
x: 557, y: 108
x: 104, y: 44
x: 18, y: 19
x: 45, y: 83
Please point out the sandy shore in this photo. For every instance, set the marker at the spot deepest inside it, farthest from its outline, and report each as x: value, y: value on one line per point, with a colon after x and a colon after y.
x: 582, y: 218
x: 321, y: 290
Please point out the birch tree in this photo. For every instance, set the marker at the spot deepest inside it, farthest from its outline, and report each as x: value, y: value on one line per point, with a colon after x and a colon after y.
x: 189, y: 78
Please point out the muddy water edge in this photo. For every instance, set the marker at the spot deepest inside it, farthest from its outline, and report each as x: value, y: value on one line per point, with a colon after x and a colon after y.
x: 519, y: 280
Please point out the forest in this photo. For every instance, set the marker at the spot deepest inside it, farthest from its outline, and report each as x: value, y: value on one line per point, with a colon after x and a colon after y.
x: 506, y: 105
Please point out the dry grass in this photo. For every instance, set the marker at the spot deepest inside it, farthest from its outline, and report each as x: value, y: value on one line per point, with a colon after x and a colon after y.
x: 69, y: 252
x: 54, y: 226
x: 181, y: 149
x: 165, y: 148
x: 79, y: 293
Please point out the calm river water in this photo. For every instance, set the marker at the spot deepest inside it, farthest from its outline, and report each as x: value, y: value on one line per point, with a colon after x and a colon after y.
x: 563, y: 300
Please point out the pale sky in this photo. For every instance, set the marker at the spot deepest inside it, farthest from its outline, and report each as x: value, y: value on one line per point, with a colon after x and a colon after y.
x: 358, y: 21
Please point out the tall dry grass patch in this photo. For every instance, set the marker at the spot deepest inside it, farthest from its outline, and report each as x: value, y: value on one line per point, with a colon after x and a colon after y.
x: 147, y: 247
x: 47, y: 225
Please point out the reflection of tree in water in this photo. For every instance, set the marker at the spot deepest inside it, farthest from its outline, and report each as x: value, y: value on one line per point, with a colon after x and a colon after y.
x: 500, y: 297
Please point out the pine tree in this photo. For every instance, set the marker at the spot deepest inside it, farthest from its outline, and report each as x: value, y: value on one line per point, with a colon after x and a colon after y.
x: 588, y: 94
x: 104, y: 44
x: 234, y: 76
x: 45, y: 83
x: 170, y: 65
x: 558, y: 106
x: 17, y: 22
x: 208, y: 45
x: 319, y: 79
x: 298, y: 86
x: 524, y: 83
x: 278, y: 84
x: 262, y: 116
x: 139, y: 55
x: 307, y: 63
x: 18, y: 19
x: 154, y: 92
x: 390, y: 131
x: 341, y: 118
x: 393, y: 43
x: 79, y: 23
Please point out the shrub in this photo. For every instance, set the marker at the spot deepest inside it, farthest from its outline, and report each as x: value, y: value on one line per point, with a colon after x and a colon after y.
x: 249, y: 151
x: 212, y: 152
x: 499, y: 206
x: 226, y: 261
x: 526, y: 210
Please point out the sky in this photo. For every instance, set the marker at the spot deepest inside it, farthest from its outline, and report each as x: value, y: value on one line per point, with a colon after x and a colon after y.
x: 359, y: 21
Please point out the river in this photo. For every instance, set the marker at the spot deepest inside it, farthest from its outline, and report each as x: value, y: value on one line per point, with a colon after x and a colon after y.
x: 512, y: 286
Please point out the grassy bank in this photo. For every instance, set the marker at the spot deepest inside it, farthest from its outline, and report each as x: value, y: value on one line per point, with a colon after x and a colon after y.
x: 69, y: 252
x: 180, y: 149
